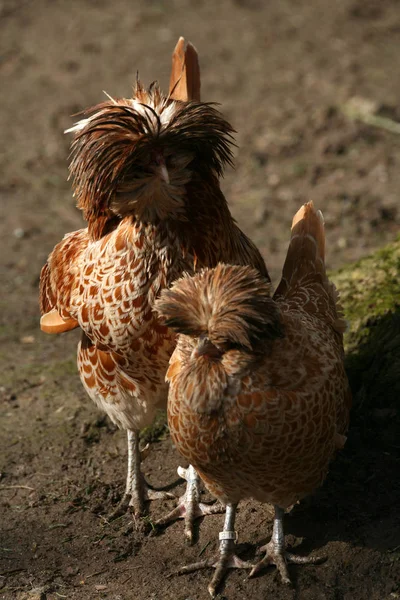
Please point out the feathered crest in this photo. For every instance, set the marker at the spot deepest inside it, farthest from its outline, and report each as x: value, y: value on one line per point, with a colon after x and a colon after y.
x: 231, y: 305
x: 113, y: 145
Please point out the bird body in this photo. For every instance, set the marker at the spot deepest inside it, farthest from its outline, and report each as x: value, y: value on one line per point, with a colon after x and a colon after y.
x: 270, y: 426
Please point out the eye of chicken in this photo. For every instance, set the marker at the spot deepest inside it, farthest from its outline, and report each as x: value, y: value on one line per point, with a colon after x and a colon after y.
x: 145, y: 173
x: 259, y: 399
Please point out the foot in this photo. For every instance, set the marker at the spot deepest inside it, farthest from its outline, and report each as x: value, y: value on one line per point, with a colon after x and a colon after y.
x: 136, y: 499
x: 189, y: 506
x: 280, y: 558
x: 275, y: 553
x: 226, y: 558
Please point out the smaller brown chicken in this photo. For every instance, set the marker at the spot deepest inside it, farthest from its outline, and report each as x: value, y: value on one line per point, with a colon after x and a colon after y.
x: 259, y: 399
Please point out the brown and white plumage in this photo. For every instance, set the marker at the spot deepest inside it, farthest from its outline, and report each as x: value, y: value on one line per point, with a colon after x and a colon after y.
x: 259, y: 399
x: 145, y: 172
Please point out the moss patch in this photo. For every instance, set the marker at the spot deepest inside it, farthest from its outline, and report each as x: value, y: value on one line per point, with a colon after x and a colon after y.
x: 370, y: 294
x: 369, y: 291
x: 157, y: 431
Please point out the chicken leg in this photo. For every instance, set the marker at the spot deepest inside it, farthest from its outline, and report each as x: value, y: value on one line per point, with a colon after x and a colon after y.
x: 137, y: 491
x: 226, y: 559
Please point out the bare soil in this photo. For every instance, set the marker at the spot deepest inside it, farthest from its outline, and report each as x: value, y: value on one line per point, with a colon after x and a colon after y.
x: 284, y: 73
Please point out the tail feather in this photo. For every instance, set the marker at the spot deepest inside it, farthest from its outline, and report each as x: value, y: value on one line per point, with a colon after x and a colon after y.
x: 304, y: 267
x: 184, y: 82
x: 306, y: 252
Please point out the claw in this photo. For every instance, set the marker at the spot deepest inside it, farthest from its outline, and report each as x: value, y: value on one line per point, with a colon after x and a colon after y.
x: 189, y: 506
x: 221, y: 567
x: 280, y: 558
x: 152, y: 494
x: 136, y: 501
x: 121, y: 509
x: 277, y: 555
x: 181, y: 512
x: 137, y: 491
x: 144, y: 452
x: 221, y: 564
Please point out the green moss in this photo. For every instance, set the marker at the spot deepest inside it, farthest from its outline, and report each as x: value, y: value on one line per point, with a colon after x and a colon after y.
x: 158, y: 430
x: 369, y: 290
x: 299, y: 169
x: 370, y: 295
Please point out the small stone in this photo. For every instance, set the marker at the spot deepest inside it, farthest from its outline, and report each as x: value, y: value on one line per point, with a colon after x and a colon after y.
x: 19, y: 233
x: 37, y: 594
x: 273, y: 180
x: 165, y: 34
x: 27, y: 339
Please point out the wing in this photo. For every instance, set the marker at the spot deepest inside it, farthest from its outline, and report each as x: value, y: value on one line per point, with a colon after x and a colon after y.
x: 59, y: 279
x: 120, y: 277
x: 107, y: 287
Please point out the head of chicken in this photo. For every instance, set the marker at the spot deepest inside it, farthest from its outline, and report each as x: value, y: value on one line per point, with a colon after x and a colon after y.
x: 136, y: 156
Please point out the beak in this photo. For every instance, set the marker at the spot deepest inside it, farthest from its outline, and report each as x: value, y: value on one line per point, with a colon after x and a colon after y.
x: 163, y: 171
x: 206, y: 348
x: 161, y: 168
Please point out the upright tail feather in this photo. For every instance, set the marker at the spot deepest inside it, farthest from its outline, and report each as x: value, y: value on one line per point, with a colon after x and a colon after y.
x: 184, y: 81
x: 306, y: 252
x: 304, y: 268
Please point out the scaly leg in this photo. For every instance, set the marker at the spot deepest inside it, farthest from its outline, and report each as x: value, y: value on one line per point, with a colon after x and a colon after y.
x: 137, y: 491
x: 276, y: 553
x: 226, y: 559
x: 189, y: 506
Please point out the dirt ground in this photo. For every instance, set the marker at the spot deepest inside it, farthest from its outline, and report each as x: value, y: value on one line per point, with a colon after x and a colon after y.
x: 284, y: 72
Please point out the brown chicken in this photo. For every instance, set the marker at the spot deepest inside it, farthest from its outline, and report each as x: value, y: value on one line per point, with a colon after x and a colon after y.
x: 145, y: 173
x: 259, y: 400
